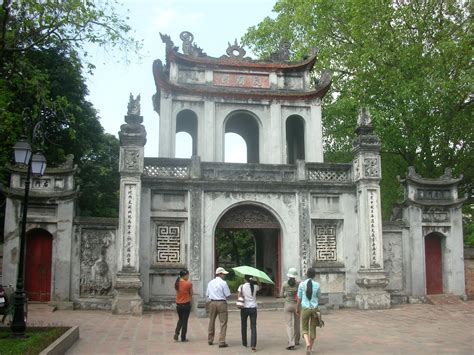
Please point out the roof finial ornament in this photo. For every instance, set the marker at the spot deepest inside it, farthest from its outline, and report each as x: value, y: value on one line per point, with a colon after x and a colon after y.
x: 166, y: 39
x: 133, y: 106
x: 235, y: 51
x: 190, y: 48
x: 364, y: 119
x: 282, y: 54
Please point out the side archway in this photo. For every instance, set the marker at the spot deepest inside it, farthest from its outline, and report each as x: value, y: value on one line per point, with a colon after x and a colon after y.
x: 434, y: 263
x: 38, y: 257
x: 295, y: 138
x: 187, y: 121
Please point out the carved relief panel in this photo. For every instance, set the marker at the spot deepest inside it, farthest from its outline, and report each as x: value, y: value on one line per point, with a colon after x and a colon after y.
x: 132, y: 160
x: 168, y: 243
x: 393, y: 260
x: 371, y: 168
x: 96, y: 258
x: 366, y: 167
x: 435, y: 214
x: 325, y: 234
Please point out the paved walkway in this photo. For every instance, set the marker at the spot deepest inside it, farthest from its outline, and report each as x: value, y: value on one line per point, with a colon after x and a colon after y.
x: 408, y: 329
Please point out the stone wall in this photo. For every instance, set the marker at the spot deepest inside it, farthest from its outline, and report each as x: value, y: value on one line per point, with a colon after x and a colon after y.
x: 469, y: 272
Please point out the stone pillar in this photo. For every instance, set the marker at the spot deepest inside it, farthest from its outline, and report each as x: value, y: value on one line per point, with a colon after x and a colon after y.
x: 367, y: 174
x: 132, y: 140
x: 305, y: 230
x: 313, y: 134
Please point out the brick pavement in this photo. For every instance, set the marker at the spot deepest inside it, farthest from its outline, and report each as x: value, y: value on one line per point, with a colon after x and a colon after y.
x: 407, y: 329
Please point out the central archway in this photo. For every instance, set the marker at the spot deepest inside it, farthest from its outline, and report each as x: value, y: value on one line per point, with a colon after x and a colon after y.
x: 254, y: 222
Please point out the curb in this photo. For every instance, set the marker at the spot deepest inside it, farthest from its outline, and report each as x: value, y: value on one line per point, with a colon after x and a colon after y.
x: 63, y: 343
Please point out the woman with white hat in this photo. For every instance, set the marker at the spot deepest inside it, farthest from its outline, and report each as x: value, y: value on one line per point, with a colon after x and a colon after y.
x: 290, y: 292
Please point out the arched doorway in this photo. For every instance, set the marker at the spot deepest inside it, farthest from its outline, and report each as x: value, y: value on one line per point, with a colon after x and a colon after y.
x: 245, y: 125
x: 39, y: 247
x: 433, y: 264
x: 260, y: 235
x: 294, y: 138
x: 187, y: 121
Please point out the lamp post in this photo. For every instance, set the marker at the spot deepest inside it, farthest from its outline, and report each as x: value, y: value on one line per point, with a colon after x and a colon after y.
x: 36, y: 164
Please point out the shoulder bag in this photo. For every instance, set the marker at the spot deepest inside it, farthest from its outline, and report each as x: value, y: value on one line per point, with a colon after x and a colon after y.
x: 240, y: 298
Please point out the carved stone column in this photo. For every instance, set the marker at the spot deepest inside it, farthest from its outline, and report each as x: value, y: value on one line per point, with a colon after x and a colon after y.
x: 132, y: 140
x: 367, y: 174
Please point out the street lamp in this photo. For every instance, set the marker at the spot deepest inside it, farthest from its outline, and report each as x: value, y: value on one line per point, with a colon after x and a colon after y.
x: 35, y: 164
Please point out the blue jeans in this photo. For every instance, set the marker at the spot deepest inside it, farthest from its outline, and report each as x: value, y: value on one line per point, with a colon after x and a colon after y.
x: 244, y: 314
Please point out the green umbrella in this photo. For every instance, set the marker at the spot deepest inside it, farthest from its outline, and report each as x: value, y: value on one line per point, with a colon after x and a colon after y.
x: 248, y: 270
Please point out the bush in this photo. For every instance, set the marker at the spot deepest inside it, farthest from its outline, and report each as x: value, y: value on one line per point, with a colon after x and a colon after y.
x: 234, y: 283
x: 469, y: 234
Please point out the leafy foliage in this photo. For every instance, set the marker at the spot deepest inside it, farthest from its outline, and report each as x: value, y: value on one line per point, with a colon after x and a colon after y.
x: 234, y: 247
x: 41, y: 44
x: 35, y: 25
x: 410, y: 62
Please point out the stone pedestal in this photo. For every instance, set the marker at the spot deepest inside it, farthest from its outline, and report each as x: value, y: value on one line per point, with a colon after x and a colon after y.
x: 372, y: 294
x: 201, y: 308
x: 127, y: 300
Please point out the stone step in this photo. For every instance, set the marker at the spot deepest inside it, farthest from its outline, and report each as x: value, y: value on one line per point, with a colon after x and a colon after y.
x: 444, y: 298
x: 263, y: 303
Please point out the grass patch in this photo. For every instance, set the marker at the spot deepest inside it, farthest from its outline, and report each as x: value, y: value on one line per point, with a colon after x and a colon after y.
x: 38, y: 339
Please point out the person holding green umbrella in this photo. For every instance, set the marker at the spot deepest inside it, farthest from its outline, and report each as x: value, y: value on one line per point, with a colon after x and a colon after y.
x: 248, y: 291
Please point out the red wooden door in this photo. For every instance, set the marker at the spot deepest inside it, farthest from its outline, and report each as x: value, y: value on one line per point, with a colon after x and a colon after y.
x: 278, y: 273
x: 433, y: 262
x: 38, y: 259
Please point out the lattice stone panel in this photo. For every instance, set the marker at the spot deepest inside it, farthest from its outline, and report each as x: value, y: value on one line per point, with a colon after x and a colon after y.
x: 180, y: 172
x: 326, y: 243
x: 168, y: 243
x: 327, y: 175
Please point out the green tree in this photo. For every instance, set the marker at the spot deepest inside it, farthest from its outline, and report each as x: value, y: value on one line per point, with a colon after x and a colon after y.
x: 41, y: 46
x: 410, y: 62
x: 30, y: 24
x: 235, y: 247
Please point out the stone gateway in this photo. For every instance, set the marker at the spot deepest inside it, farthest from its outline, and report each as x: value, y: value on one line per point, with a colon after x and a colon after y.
x: 302, y: 212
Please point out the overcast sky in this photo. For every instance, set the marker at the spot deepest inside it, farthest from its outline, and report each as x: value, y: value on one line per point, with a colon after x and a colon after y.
x: 213, y: 23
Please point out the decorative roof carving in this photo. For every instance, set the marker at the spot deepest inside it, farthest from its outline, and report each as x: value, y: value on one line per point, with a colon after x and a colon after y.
x: 248, y: 78
x: 133, y: 106
x: 68, y: 163
x: 364, y: 119
x: 282, y: 54
x: 166, y: 39
x: 366, y: 138
x: 324, y: 79
x: 446, y: 179
x: 190, y: 48
x: 234, y: 51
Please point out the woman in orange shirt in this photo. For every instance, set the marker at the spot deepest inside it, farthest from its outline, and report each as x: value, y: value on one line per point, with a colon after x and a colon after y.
x: 184, y: 294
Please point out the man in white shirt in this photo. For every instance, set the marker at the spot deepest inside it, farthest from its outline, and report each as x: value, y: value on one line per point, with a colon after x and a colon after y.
x: 217, y: 292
